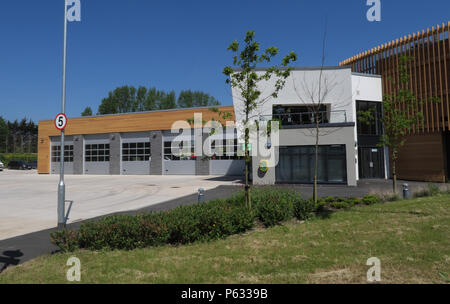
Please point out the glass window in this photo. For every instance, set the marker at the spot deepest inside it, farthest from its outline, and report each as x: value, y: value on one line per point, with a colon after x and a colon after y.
x: 96, y: 153
x: 373, y: 127
x: 293, y: 115
x: 179, y: 153
x: 56, y: 153
x: 136, y: 152
x: 296, y: 164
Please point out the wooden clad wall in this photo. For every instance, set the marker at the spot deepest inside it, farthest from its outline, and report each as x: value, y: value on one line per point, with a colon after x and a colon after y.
x: 135, y: 122
x: 429, y: 70
x: 422, y: 158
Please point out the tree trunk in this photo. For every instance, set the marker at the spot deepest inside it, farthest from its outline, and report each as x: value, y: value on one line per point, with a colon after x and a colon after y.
x: 247, y: 166
x: 316, y: 163
x: 394, y: 177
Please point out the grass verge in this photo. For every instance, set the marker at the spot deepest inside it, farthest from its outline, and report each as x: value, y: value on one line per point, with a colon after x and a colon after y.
x: 409, y: 237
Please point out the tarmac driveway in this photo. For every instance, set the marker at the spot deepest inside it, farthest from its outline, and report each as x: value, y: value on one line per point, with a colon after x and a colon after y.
x: 28, y: 201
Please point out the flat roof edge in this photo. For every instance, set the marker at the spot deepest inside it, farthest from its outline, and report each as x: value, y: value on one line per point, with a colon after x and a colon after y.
x: 147, y: 112
x: 366, y: 75
x: 306, y: 68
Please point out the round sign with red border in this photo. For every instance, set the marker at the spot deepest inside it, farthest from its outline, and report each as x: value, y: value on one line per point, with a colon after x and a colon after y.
x: 61, y: 121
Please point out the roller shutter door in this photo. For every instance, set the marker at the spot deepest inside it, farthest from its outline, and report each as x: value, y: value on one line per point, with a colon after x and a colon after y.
x: 56, y: 152
x: 136, y: 153
x: 96, y: 154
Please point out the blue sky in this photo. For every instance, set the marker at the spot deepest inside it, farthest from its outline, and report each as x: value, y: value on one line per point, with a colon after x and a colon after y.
x: 175, y: 45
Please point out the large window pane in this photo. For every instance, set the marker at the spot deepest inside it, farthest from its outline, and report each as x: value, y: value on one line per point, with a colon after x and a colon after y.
x: 296, y: 164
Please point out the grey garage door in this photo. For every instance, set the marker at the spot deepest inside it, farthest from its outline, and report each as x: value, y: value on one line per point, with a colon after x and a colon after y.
x: 231, y: 167
x: 56, y: 153
x: 96, y: 154
x: 136, y: 154
x: 179, y: 161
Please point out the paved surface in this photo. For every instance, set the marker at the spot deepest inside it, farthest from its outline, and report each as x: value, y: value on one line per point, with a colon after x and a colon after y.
x: 28, y: 201
x: 104, y: 195
x: 23, y: 248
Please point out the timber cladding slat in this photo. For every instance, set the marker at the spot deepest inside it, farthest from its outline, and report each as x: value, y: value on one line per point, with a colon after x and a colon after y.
x: 135, y: 122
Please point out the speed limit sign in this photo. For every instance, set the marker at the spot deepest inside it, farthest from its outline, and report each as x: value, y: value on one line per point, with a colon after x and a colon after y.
x: 61, y: 121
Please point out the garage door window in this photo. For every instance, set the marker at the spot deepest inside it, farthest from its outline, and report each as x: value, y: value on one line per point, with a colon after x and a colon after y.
x: 136, y: 151
x: 224, y: 149
x: 97, y: 153
x: 179, y: 151
x: 68, y: 154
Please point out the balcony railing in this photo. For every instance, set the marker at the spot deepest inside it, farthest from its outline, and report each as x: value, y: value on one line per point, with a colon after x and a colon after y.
x: 307, y: 118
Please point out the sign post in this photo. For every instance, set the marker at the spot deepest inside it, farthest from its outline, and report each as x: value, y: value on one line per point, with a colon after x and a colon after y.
x: 70, y: 14
x: 60, y: 123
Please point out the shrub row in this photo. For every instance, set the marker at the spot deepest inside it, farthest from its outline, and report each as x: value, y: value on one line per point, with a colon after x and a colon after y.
x: 200, y: 222
x: 185, y: 224
x: 344, y: 203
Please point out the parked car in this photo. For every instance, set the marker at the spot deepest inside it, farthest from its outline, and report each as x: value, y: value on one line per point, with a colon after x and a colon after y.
x: 2, y: 166
x: 18, y: 165
x: 32, y: 164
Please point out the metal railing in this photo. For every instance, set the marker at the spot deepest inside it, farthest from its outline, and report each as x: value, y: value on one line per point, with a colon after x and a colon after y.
x: 307, y: 118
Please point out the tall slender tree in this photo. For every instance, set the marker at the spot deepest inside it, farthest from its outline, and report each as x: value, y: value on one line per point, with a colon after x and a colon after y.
x: 246, y: 80
x: 401, y: 115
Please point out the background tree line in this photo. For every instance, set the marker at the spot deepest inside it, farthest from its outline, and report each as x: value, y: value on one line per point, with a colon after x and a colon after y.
x: 128, y: 99
x: 18, y: 136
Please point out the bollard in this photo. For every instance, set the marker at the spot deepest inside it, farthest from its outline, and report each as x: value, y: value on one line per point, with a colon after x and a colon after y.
x: 201, y: 195
x: 405, y: 191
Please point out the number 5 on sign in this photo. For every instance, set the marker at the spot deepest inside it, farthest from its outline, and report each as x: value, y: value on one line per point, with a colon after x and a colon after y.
x: 61, y: 121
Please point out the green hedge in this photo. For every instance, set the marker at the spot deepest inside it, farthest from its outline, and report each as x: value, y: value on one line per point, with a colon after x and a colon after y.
x: 199, y: 222
x: 186, y: 224
x: 274, y: 206
x: 26, y: 157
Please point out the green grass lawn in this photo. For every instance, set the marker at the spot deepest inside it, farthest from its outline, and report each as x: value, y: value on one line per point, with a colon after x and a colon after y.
x: 411, y: 238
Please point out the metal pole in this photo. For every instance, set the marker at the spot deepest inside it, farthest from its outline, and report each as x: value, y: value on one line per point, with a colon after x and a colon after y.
x: 62, y: 186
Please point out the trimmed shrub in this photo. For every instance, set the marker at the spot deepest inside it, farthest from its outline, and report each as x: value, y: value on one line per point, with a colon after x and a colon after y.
x: 330, y: 199
x: 185, y: 224
x: 274, y: 206
x: 321, y: 204
x: 339, y: 205
x: 124, y: 232
x: 304, y: 209
x: 370, y: 199
x: 353, y: 201
x: 209, y: 221
x: 66, y: 240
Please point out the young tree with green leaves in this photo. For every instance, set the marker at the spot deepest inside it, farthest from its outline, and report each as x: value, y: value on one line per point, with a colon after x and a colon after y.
x: 246, y: 80
x: 401, y: 115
